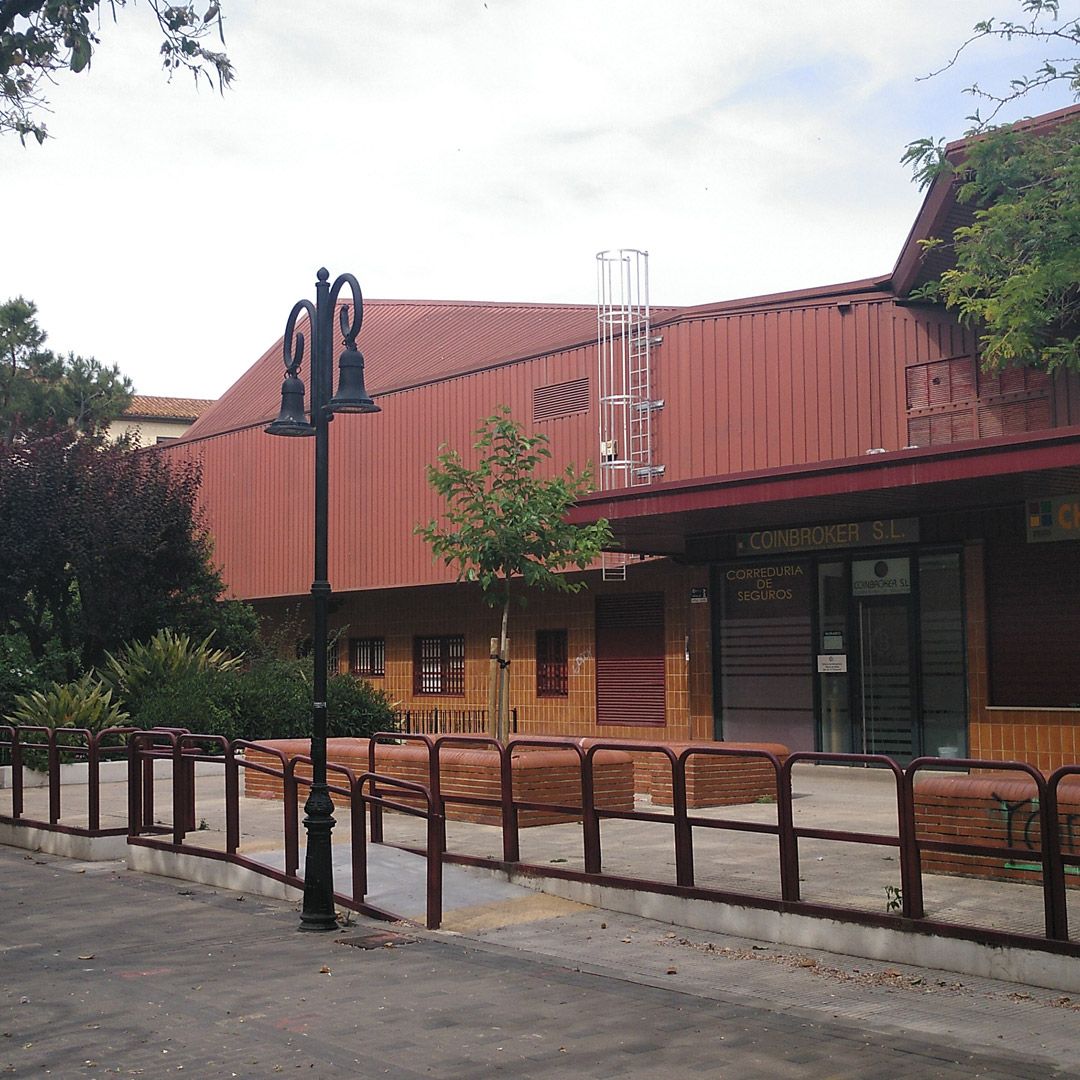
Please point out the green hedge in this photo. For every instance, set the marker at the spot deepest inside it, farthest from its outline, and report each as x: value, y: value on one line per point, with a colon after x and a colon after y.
x: 270, y: 700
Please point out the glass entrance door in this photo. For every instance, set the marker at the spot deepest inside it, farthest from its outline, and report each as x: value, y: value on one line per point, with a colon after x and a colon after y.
x: 885, y: 677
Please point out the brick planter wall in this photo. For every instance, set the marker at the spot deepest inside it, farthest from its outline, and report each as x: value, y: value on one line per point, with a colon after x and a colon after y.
x: 985, y: 810
x: 711, y: 780
x: 716, y: 780
x: 539, y: 775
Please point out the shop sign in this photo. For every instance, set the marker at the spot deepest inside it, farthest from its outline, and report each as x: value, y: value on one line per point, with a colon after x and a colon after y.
x: 881, y: 577
x: 699, y: 595
x: 1053, y: 519
x: 844, y: 534
x: 770, y: 591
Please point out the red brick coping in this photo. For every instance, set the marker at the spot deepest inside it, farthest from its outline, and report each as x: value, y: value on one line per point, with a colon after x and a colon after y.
x: 544, y: 774
x: 719, y: 780
x: 539, y: 775
x: 711, y: 779
x: 985, y: 810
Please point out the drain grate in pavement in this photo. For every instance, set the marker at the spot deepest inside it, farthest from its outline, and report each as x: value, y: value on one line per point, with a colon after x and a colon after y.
x: 376, y: 939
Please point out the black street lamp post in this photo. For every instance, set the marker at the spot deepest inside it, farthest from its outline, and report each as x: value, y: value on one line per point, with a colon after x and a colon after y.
x: 351, y: 396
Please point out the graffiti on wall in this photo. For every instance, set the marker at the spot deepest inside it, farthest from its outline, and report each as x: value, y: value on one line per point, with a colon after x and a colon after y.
x: 1022, y: 829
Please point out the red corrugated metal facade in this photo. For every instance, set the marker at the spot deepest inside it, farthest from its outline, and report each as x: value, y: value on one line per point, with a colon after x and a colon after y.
x: 743, y: 391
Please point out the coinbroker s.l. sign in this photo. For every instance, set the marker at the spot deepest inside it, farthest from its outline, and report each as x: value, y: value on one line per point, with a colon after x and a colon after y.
x: 841, y: 534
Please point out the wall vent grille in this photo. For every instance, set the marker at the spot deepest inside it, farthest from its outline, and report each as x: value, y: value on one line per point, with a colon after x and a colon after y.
x: 560, y: 399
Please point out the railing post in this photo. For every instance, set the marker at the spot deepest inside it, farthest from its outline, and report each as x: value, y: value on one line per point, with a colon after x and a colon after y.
x: 785, y: 834
x: 289, y: 796
x: 135, y: 794
x: 93, y: 782
x: 684, y: 841
x: 510, y: 836
x: 376, y: 806
x: 54, y: 777
x: 16, y: 774
x: 179, y: 802
x: 232, y: 800
x: 435, y: 787
x: 911, y: 883
x: 358, y: 809
x: 590, y: 821
x: 436, y: 846
x: 1054, y: 902
x: 148, y: 786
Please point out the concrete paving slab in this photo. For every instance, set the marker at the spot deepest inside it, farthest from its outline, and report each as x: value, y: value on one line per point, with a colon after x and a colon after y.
x: 122, y: 974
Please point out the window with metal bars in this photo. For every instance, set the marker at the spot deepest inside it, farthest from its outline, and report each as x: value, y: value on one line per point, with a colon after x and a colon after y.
x: 551, y: 680
x: 439, y: 665
x: 367, y: 657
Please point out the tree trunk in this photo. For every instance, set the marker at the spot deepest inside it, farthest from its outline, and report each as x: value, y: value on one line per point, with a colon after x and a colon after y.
x: 493, y: 689
x: 503, y: 721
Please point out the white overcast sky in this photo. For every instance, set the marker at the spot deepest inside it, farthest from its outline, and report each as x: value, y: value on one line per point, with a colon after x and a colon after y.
x: 457, y: 149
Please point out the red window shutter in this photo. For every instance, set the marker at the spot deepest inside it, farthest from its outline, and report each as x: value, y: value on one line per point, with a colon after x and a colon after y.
x: 630, y: 659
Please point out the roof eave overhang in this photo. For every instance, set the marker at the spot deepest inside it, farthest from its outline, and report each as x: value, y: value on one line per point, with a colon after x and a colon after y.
x: 662, y: 518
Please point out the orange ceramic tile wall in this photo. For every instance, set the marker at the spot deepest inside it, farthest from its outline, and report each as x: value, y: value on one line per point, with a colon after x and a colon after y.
x: 399, y: 615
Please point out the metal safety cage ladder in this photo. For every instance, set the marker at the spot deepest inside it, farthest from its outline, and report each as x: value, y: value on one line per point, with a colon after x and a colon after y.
x: 624, y: 380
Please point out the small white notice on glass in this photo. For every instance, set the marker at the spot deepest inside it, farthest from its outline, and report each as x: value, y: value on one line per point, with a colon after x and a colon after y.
x: 835, y: 662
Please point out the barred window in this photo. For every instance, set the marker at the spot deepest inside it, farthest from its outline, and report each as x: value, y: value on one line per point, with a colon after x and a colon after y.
x: 367, y: 657
x: 551, y: 650
x: 439, y: 665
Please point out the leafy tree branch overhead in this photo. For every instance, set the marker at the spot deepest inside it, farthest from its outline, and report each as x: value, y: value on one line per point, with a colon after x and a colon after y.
x: 1015, y: 269
x: 1016, y: 274
x: 39, y: 39
x: 1041, y: 24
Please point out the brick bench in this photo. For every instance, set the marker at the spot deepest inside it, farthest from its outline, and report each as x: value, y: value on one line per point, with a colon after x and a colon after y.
x: 538, y: 775
x: 984, y: 810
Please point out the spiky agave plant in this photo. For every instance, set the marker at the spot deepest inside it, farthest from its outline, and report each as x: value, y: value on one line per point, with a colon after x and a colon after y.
x: 166, y: 657
x: 84, y: 703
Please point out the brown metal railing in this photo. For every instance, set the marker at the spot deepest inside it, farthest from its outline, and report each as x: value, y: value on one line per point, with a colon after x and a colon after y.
x: 370, y: 793
x: 183, y: 749
x: 907, y: 841
x: 93, y: 747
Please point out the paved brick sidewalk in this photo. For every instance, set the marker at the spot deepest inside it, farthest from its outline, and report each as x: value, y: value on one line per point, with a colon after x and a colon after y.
x: 107, y: 972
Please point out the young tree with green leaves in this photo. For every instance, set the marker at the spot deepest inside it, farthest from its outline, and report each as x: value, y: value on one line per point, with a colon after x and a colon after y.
x: 41, y: 38
x: 1016, y: 269
x: 505, y: 525
x: 41, y: 393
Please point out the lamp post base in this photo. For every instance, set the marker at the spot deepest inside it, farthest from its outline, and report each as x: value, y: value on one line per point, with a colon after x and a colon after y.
x: 318, y: 913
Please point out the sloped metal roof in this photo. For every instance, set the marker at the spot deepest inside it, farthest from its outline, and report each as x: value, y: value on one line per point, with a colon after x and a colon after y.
x: 412, y: 342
